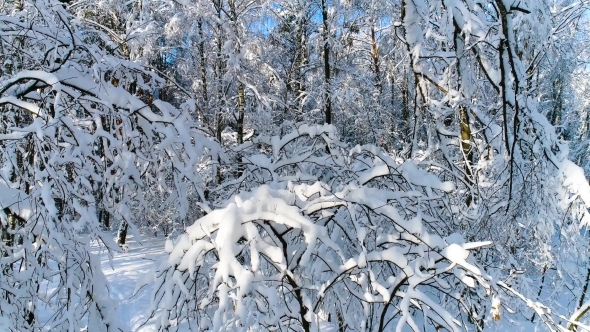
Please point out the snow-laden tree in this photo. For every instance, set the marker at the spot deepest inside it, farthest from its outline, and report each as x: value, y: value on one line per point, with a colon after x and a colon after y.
x: 76, y: 141
x: 317, y: 236
x: 474, y: 65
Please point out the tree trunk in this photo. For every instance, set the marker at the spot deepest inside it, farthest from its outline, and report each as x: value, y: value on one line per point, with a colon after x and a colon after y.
x: 543, y: 283
x: 8, y: 230
x: 299, y: 63
x: 122, y: 233
x: 203, y: 64
x: 104, y: 143
x: 464, y: 125
x: 241, y: 93
x: 375, y: 58
x: 219, y: 73
x: 325, y: 35
x: 241, y: 109
x: 572, y: 327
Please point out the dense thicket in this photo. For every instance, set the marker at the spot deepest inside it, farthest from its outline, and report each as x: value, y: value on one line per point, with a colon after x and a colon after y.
x: 356, y: 165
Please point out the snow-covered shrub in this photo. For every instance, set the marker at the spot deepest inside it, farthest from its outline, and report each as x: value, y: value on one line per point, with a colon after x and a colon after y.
x: 344, y: 238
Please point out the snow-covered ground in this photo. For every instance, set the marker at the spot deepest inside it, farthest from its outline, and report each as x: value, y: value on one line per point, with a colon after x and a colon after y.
x: 126, y: 269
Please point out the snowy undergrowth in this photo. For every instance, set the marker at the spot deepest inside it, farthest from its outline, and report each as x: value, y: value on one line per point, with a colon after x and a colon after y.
x: 127, y: 268
x: 130, y: 266
x: 311, y: 233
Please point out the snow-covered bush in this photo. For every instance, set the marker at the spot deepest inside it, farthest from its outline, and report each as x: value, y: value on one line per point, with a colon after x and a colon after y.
x: 322, y: 236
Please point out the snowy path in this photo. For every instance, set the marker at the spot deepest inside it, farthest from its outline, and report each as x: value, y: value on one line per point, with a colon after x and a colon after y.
x: 127, y: 268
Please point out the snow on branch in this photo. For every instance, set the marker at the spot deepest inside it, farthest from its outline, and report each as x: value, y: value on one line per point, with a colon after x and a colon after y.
x: 350, y: 239
x: 81, y: 146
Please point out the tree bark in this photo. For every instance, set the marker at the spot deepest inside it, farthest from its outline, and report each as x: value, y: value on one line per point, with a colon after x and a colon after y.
x: 464, y: 125
x: 375, y: 58
x: 203, y: 64
x: 325, y: 35
x: 219, y: 73
x: 122, y: 233
x: 241, y: 111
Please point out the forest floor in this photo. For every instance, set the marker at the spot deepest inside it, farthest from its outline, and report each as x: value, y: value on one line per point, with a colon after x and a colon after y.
x: 126, y: 269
